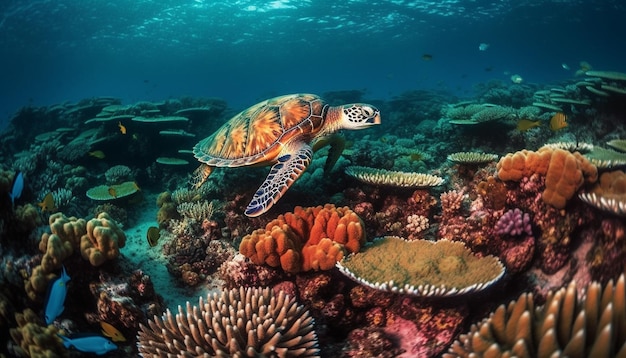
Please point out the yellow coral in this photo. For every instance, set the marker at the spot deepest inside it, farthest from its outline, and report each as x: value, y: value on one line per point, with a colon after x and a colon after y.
x: 60, y: 244
x: 102, y: 241
x: 35, y: 339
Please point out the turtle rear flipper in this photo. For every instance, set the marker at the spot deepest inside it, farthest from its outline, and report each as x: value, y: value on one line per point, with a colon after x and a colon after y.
x: 285, y: 172
x: 200, y: 175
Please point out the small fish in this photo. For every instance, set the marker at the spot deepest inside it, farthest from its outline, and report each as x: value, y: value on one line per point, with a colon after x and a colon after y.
x: 516, y: 79
x: 17, y: 187
x: 135, y: 136
x: 558, y: 121
x: 47, y: 204
x: 427, y: 57
x: 483, y: 46
x: 89, y: 343
x: 112, y: 192
x: 153, y: 235
x: 122, y: 128
x: 112, y: 332
x: 97, y: 154
x: 56, y: 297
x: 565, y: 66
x: 526, y: 124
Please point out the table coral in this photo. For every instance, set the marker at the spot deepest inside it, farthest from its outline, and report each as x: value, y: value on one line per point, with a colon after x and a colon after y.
x: 102, y: 241
x: 308, y: 239
x: 564, y: 172
x: 422, y: 268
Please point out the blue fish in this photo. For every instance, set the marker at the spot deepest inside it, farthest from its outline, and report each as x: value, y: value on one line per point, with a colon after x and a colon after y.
x: 18, y: 186
x: 56, y: 297
x: 89, y: 343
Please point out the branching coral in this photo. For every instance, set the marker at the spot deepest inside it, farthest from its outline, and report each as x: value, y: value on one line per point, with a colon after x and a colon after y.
x: 565, y: 326
x: 244, y: 322
x: 307, y: 239
x: 564, y: 172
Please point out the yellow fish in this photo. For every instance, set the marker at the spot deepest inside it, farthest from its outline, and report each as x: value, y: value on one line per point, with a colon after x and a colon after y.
x: 112, y: 192
x: 47, y: 204
x: 153, y: 235
x: 97, y: 154
x: 112, y: 332
x: 558, y: 121
x: 122, y: 128
x: 526, y: 124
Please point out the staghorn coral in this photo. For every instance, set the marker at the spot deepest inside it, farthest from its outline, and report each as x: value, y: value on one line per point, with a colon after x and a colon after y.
x: 199, y: 210
x: 564, y: 172
x: 242, y: 322
x: 565, y: 326
x: 422, y: 267
x: 102, y: 241
x: 307, y: 239
x: 35, y: 339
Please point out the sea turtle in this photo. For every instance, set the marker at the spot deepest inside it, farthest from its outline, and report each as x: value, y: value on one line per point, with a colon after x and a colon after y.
x: 282, y: 131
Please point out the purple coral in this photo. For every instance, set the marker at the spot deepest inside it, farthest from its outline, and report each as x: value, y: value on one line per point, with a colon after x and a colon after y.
x: 514, y: 222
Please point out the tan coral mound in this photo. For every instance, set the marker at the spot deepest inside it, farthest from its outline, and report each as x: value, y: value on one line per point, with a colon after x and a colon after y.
x: 565, y: 326
x: 422, y: 267
x: 393, y: 178
x: 565, y: 172
x: 243, y: 322
x: 102, y: 241
x: 609, y: 194
x: 97, y: 240
x: 311, y: 238
x: 35, y: 339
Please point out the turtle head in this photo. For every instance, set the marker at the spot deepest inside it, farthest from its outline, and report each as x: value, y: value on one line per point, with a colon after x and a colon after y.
x: 359, y: 116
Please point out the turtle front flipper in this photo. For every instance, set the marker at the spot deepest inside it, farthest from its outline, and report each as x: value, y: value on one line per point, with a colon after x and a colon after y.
x: 200, y: 175
x: 285, y: 172
x: 337, y: 145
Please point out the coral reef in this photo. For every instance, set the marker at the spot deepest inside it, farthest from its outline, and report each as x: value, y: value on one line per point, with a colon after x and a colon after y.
x: 238, y: 323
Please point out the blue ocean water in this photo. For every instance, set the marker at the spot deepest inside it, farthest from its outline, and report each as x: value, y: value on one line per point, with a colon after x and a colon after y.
x: 53, y: 51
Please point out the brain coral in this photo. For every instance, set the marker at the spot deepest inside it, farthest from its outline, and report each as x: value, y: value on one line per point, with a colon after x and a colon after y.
x: 311, y: 238
x: 564, y: 172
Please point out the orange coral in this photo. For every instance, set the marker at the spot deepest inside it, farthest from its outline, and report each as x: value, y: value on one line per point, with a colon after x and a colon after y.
x: 311, y: 238
x: 611, y: 184
x: 565, y: 172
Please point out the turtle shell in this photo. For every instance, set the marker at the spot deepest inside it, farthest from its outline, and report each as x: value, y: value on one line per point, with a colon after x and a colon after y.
x: 257, y: 134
